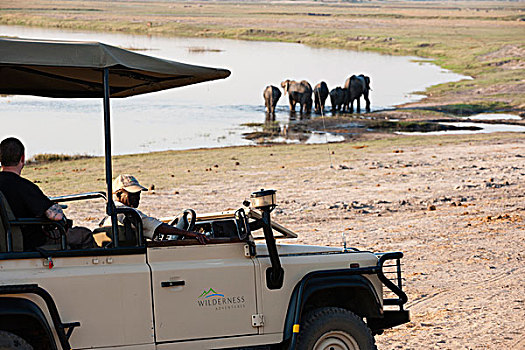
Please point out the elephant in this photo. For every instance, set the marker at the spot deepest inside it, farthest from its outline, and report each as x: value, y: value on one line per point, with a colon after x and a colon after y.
x: 298, y: 92
x: 357, y: 86
x: 338, y: 97
x: 271, y: 95
x: 320, y: 95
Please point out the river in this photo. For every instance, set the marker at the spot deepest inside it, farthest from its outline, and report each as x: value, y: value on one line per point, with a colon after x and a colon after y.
x: 203, y: 115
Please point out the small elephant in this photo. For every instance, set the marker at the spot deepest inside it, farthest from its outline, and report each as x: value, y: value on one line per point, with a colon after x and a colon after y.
x: 320, y: 95
x: 298, y: 92
x: 357, y: 86
x: 271, y: 95
x: 338, y: 97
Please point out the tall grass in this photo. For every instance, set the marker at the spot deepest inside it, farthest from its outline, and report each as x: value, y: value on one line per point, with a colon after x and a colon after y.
x: 43, y: 158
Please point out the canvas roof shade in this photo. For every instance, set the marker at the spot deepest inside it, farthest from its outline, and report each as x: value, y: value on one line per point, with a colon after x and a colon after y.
x: 75, y: 69
x: 91, y: 70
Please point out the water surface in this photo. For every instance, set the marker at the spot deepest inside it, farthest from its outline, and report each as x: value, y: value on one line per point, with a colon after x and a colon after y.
x: 207, y: 114
x: 495, y: 116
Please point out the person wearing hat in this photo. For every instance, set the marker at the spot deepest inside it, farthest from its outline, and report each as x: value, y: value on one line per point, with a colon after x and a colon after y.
x: 127, y: 189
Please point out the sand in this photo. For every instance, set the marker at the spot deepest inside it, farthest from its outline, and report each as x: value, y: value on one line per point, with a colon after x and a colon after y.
x: 455, y: 210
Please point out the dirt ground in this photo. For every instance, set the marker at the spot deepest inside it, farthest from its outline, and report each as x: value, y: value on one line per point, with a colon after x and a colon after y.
x: 456, y: 210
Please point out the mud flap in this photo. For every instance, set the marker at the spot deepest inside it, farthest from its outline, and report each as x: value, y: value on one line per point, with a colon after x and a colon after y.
x: 391, y: 319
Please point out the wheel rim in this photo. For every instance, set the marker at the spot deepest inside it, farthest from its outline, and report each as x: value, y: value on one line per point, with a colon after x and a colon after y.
x: 336, y: 340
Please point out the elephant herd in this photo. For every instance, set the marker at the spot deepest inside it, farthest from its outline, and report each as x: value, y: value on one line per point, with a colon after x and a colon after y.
x: 300, y: 92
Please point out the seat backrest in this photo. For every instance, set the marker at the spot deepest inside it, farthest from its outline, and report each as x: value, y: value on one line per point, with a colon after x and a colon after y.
x: 126, y: 231
x: 6, y: 214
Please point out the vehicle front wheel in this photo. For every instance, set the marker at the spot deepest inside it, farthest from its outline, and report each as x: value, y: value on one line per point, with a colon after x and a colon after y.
x: 333, y: 328
x: 12, y: 341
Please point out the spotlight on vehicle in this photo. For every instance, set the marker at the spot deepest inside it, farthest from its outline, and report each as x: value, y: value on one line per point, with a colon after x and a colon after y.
x: 264, y: 200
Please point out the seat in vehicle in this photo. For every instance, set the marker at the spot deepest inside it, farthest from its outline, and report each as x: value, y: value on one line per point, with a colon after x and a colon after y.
x: 126, y: 233
x: 6, y: 215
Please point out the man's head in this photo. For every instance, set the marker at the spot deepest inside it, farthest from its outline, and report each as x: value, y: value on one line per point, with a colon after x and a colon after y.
x: 127, y: 190
x: 12, y: 153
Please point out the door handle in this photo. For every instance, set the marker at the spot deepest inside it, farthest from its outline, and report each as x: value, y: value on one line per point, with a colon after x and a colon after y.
x: 172, y: 283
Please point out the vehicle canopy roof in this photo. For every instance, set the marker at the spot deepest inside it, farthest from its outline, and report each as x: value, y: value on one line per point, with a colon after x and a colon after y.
x: 72, y: 69
x: 69, y: 69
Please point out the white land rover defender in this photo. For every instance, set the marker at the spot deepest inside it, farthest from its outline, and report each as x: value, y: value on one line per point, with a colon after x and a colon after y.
x: 135, y: 293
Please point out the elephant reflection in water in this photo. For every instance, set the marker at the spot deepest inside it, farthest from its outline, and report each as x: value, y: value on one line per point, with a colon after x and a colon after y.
x: 273, y: 127
x: 270, y: 125
x: 293, y: 116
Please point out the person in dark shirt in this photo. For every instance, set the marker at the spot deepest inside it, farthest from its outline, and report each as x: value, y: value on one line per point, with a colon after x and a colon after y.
x: 24, y: 197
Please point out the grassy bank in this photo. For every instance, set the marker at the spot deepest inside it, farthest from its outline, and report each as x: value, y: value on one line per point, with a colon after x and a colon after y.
x: 170, y: 170
x: 480, y: 39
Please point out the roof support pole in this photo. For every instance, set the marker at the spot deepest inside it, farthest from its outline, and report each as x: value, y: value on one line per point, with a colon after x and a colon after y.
x: 110, y: 208
x: 274, y: 274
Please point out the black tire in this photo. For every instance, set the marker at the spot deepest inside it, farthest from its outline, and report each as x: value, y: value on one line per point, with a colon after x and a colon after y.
x: 333, y: 328
x: 10, y: 341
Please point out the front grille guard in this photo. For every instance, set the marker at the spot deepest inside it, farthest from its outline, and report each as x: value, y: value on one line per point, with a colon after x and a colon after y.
x: 391, y: 276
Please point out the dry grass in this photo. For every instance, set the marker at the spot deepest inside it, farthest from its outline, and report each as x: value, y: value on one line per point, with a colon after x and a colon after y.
x: 170, y: 170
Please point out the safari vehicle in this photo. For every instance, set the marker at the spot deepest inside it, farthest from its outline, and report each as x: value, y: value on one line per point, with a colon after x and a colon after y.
x: 240, y: 291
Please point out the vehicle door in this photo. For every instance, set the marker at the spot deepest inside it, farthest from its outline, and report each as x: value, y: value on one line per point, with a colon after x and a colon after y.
x: 95, y: 290
x: 94, y: 286
x: 202, y: 291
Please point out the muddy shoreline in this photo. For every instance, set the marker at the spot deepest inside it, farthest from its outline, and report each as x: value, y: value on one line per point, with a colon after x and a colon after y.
x: 382, y: 123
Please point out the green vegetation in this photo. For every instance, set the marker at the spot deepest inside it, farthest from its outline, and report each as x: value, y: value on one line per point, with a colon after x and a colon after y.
x: 253, y: 125
x: 269, y: 129
x: 411, y: 126
x: 465, y: 109
x: 53, y: 157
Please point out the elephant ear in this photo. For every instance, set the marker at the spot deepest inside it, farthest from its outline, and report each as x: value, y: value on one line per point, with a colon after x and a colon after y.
x: 285, y: 84
x: 367, y: 79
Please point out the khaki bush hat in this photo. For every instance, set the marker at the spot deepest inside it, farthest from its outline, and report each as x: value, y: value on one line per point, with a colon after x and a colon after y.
x: 128, y: 183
